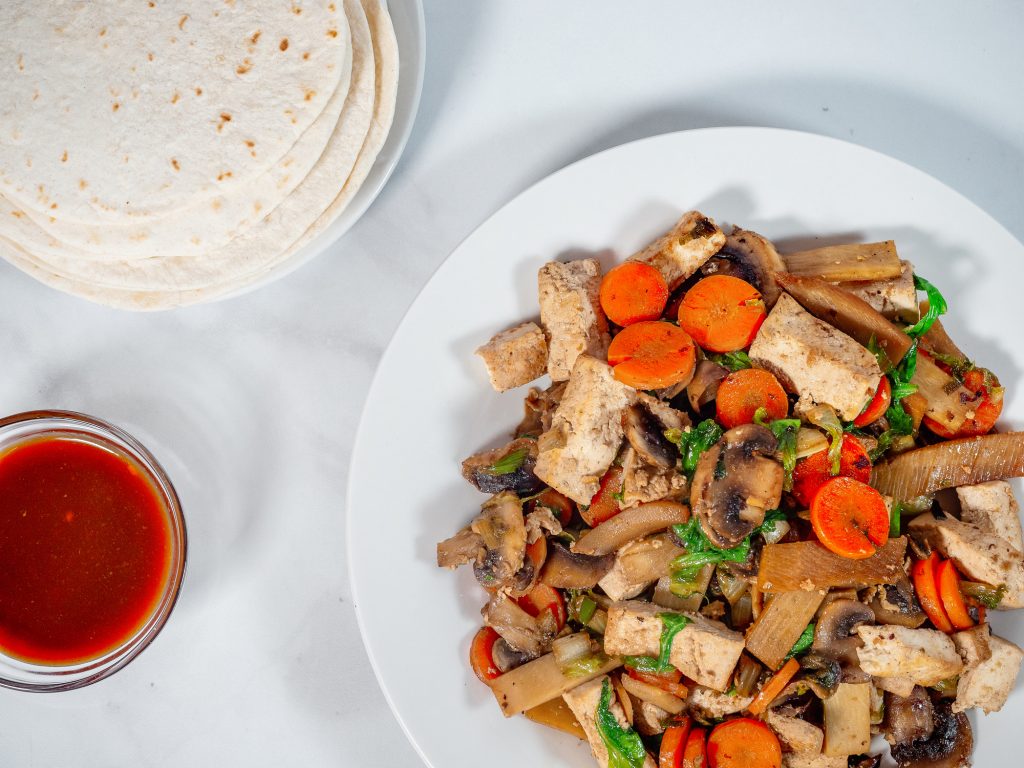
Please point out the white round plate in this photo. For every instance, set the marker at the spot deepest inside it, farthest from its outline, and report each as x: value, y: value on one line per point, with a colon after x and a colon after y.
x: 431, y: 405
x: 410, y: 31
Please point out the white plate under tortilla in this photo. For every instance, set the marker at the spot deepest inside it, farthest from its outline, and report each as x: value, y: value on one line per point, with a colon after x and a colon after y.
x: 430, y: 404
x: 410, y: 32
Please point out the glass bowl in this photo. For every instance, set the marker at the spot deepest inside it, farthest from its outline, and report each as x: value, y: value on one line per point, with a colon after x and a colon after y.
x: 23, y: 427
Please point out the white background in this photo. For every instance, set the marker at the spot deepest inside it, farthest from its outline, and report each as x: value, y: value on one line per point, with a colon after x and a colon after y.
x: 252, y: 404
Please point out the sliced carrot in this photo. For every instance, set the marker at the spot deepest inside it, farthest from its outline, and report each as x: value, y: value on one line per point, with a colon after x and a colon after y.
x: 879, y: 404
x: 927, y: 587
x: 667, y: 681
x: 544, y: 598
x: 480, y: 655
x: 722, y: 313
x: 673, y: 744
x: 850, y: 518
x: 604, y: 505
x: 633, y: 292
x: 744, y: 743
x: 652, y: 355
x: 774, y: 687
x: 695, y: 753
x: 814, y: 471
x: 987, y: 408
x: 948, y: 581
x: 561, y: 505
x: 743, y: 392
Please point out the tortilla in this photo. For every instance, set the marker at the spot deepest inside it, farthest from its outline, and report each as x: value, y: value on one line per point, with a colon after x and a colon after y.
x: 263, y: 245
x: 114, y: 111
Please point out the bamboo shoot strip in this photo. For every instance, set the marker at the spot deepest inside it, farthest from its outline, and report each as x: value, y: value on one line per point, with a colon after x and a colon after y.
x: 847, y: 263
x: 808, y: 566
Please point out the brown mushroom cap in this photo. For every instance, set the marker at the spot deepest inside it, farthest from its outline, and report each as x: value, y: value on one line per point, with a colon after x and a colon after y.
x: 897, y: 604
x: 703, y: 387
x: 737, y: 480
x: 646, y: 434
x: 573, y: 570
x: 502, y: 529
x: 908, y: 718
x: 479, y: 468
x: 835, y: 636
x: 751, y: 257
x: 949, y: 746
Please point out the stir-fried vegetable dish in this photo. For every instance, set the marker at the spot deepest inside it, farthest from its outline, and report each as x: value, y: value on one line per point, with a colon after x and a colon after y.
x: 758, y: 516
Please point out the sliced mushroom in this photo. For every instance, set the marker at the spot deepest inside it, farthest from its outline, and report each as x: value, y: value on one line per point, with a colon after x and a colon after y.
x: 949, y: 746
x: 821, y: 674
x: 703, y: 387
x: 897, y: 604
x: 646, y: 433
x: 509, y: 468
x: 503, y: 530
x: 464, y: 547
x: 520, y: 630
x: 572, y: 570
x: 506, y: 657
x: 751, y: 257
x: 834, y: 635
x: 737, y: 480
x: 908, y: 718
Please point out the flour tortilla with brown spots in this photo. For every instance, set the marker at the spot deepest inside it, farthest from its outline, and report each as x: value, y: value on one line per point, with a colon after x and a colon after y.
x: 115, y: 110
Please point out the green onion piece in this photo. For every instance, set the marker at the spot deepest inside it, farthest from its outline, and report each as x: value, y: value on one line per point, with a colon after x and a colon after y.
x: 936, y: 307
x: 895, y: 520
x: 508, y: 463
x: 734, y: 361
x: 985, y: 594
x: 586, y: 610
x: 803, y: 642
x: 625, y: 749
x: 586, y: 665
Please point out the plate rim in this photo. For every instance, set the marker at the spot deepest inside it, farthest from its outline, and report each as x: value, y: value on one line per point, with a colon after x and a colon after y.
x: 389, y: 348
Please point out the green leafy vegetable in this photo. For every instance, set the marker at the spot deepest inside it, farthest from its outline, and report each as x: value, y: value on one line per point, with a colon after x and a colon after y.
x: 673, y: 624
x: 936, y: 307
x: 734, y: 361
x: 803, y: 642
x: 587, y: 665
x: 761, y: 416
x: 647, y: 664
x: 895, y: 522
x: 824, y: 416
x: 625, y: 749
x: 700, y: 551
x: 958, y: 366
x: 785, y: 431
x: 586, y: 611
x: 694, y: 442
x: 508, y: 463
x: 876, y: 349
x: 985, y: 594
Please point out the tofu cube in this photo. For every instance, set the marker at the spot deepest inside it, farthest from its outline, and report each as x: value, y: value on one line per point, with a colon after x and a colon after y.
x: 680, y: 253
x: 808, y: 760
x: 925, y: 656
x: 815, y: 361
x: 586, y: 431
x: 794, y: 734
x: 989, y: 684
x: 571, y: 314
x: 978, y: 554
x: 583, y: 700
x: 516, y: 356
x: 709, y: 704
x: 705, y: 651
x: 992, y: 507
x: 974, y: 645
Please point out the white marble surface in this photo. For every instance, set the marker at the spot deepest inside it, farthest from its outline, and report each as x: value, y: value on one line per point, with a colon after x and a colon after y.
x: 252, y: 403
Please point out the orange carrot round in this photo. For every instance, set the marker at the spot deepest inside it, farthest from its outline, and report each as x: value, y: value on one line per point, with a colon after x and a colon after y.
x: 878, y: 406
x: 673, y: 742
x: 743, y: 392
x: 774, y: 687
x: 604, y: 505
x: 667, y: 681
x: 814, y: 471
x: 722, y: 313
x: 927, y: 587
x: 480, y: 655
x: 744, y: 743
x: 850, y: 518
x: 633, y: 292
x: 695, y: 753
x: 948, y: 581
x: 652, y: 355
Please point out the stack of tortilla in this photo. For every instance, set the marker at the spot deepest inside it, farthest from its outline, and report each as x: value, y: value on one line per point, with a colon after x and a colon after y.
x: 157, y: 154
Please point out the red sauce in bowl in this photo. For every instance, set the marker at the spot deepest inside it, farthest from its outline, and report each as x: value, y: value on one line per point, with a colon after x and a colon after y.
x: 85, y: 550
